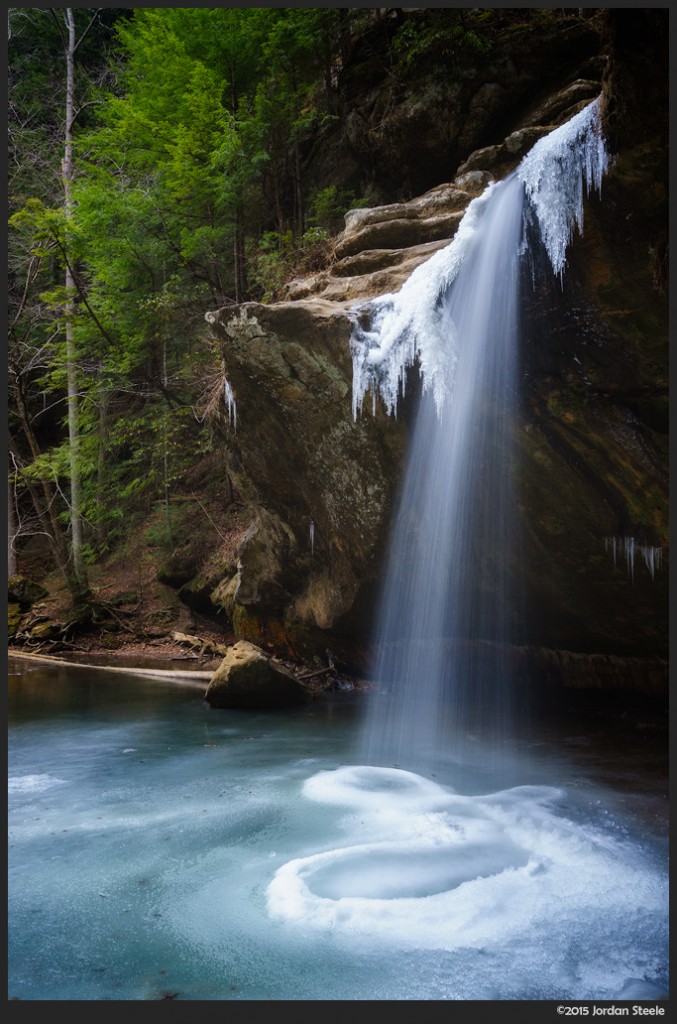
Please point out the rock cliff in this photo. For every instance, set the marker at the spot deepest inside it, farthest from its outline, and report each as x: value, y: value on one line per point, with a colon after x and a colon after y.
x: 592, y: 436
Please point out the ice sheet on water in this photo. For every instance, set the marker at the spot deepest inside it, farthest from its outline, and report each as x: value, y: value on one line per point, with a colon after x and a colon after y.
x: 32, y: 783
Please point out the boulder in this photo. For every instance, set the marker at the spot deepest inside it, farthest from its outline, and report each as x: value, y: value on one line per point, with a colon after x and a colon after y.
x: 24, y: 592
x: 300, y: 458
x: 248, y: 678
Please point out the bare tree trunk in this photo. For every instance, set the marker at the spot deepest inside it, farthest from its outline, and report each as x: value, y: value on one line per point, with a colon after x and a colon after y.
x: 298, y: 192
x: 11, y: 532
x: 46, y: 512
x: 240, y: 263
x: 71, y: 370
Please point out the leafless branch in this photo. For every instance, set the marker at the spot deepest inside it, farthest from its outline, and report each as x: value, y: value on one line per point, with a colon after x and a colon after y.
x: 96, y: 14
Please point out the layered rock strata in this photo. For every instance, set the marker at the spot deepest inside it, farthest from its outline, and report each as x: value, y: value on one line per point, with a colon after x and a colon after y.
x: 592, y: 437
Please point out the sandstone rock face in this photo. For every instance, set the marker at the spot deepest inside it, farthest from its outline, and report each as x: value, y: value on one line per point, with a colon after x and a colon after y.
x: 319, y: 484
x: 591, y: 440
x: 247, y: 678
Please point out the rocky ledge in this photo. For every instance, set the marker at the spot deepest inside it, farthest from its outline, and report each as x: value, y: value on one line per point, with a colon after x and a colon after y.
x: 592, y: 477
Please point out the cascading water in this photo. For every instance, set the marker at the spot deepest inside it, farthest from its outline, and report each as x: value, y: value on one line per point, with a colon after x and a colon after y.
x: 448, y: 597
x: 482, y: 876
x: 446, y: 603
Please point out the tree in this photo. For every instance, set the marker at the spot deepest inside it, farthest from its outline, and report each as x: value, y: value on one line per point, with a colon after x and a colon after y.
x: 143, y: 190
x: 71, y: 44
x: 46, y: 99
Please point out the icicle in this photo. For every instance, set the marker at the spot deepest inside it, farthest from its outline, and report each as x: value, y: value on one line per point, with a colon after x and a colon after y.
x: 229, y: 399
x: 556, y: 173
x: 409, y: 326
x: 312, y: 537
x: 630, y: 556
x: 651, y: 556
x: 395, y: 331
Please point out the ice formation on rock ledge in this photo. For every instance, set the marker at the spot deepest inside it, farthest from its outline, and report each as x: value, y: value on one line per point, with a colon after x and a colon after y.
x: 630, y: 548
x: 555, y: 173
x: 394, y: 331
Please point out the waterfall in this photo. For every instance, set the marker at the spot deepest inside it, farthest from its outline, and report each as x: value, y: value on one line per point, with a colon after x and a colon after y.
x: 499, y: 893
x: 449, y: 600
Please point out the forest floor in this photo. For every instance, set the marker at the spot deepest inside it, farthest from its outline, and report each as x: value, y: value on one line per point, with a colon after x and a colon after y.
x: 139, y: 616
x: 137, y: 621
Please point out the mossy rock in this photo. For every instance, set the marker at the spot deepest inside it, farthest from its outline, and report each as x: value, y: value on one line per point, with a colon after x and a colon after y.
x: 46, y: 630
x: 198, y: 597
x: 257, y: 626
x: 24, y: 591
x: 248, y: 678
x: 179, y: 569
x: 161, y: 618
x: 109, y: 640
x: 14, y: 616
x: 224, y: 595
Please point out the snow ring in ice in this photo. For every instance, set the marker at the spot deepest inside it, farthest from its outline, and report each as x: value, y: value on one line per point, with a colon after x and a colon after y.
x: 429, y: 868
x: 405, y: 870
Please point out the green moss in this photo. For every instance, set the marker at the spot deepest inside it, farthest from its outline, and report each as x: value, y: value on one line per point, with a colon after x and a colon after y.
x: 46, y: 631
x: 14, y: 616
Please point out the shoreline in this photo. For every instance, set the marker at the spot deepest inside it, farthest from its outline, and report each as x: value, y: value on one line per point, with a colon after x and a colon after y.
x: 200, y: 677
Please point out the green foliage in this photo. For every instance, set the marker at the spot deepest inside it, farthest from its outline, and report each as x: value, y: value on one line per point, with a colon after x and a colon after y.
x: 148, y: 452
x: 163, y: 532
x: 281, y: 257
x: 328, y: 207
x: 50, y: 465
x: 439, y: 39
x: 272, y: 262
x: 191, y: 189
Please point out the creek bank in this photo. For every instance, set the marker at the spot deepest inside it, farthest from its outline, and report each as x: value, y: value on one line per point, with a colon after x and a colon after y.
x: 242, y: 677
x: 533, y: 670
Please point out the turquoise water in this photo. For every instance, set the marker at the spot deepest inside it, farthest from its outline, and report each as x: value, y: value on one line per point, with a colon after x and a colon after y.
x: 159, y: 849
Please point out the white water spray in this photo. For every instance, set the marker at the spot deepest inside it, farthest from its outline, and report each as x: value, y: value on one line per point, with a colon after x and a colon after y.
x: 446, y: 601
x: 448, y: 605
